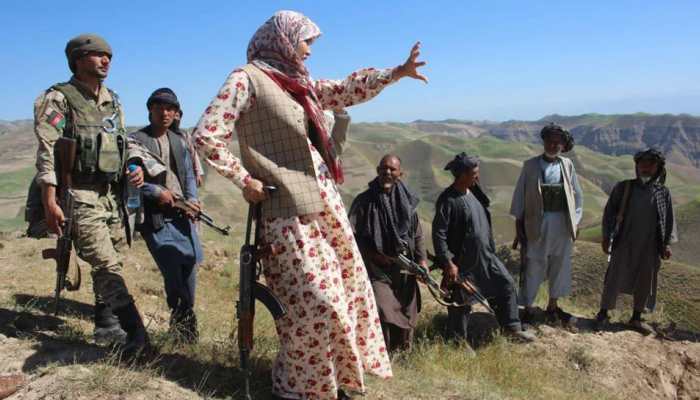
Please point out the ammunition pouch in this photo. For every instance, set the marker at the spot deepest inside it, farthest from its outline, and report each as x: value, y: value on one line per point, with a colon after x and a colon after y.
x: 100, y: 138
x: 553, y: 197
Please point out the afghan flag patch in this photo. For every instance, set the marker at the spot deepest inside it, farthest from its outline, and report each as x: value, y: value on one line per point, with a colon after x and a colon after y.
x: 56, y: 119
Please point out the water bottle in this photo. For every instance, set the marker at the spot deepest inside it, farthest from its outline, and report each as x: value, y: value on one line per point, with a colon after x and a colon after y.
x: 133, y: 200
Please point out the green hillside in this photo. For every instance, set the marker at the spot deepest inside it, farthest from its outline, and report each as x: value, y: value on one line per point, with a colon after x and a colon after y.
x: 424, y: 155
x: 688, y: 217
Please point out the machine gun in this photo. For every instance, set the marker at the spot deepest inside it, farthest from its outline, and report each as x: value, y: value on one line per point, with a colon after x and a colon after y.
x: 65, y: 149
x: 251, y: 289
x: 434, y: 288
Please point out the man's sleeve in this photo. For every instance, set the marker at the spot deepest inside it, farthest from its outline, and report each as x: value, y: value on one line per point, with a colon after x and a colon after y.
x: 517, y: 204
x: 441, y: 224
x: 190, y: 189
x: 152, y: 166
x: 150, y: 191
x: 421, y: 254
x: 578, y: 194
x: 137, y: 153
x: 50, y: 110
x: 611, y: 209
x: 671, y: 226
x: 356, y: 212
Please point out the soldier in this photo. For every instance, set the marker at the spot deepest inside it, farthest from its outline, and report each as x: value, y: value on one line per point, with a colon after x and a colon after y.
x: 170, y: 236
x: 84, y: 109
x: 548, y: 205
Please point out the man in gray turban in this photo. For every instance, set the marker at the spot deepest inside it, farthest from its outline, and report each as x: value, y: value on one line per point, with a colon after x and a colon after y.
x: 639, y: 221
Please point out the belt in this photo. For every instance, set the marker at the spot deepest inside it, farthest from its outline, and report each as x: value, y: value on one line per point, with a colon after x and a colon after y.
x: 101, y: 188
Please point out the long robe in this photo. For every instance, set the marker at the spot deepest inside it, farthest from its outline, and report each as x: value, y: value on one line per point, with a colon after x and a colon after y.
x: 397, y: 294
x: 462, y: 233
x: 638, y: 247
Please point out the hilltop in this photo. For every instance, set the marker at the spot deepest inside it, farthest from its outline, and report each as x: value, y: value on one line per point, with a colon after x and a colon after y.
x: 678, y: 136
x: 59, y: 360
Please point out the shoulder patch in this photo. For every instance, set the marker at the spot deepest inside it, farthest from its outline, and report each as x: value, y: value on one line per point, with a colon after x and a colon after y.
x: 55, y: 118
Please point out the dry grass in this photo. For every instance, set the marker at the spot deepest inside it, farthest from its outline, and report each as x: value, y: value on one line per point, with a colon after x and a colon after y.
x: 433, y: 369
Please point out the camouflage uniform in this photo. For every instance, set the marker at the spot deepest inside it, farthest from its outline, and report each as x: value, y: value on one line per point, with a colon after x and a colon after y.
x: 96, y: 122
x: 98, y: 225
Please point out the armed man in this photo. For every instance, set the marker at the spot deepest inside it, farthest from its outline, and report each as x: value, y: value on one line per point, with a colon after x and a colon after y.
x: 85, y: 112
x: 547, y: 206
x: 465, y: 249
x: 386, y: 225
x: 638, y: 228
x: 169, y: 233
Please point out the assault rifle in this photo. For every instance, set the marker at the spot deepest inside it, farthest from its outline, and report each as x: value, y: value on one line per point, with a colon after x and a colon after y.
x: 190, y: 209
x: 250, y: 289
x: 65, y: 150
x: 434, y: 288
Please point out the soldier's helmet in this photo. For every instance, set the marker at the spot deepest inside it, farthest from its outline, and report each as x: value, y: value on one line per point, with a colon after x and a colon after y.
x: 81, y: 44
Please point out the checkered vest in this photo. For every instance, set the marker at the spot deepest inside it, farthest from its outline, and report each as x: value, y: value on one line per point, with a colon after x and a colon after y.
x: 275, y: 149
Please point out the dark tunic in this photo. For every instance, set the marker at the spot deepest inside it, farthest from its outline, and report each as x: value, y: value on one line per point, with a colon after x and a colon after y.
x: 462, y: 233
x: 638, y: 247
x: 397, y: 294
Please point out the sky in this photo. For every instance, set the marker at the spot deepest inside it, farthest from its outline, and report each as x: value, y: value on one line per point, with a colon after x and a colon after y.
x: 487, y: 60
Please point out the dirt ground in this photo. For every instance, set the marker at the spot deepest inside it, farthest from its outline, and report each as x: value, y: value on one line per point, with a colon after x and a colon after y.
x: 57, y: 359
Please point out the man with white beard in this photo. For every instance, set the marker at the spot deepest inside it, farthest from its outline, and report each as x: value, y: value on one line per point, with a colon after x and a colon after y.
x: 639, y: 222
x: 548, y: 205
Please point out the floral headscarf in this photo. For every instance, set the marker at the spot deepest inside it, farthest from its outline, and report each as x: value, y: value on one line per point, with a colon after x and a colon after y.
x: 274, y: 43
x: 273, y: 50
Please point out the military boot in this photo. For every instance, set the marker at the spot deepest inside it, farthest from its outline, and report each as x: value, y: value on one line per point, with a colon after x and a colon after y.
x: 107, y: 330
x: 137, y: 342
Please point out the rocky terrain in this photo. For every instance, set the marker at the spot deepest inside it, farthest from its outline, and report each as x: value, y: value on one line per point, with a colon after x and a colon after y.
x: 678, y: 136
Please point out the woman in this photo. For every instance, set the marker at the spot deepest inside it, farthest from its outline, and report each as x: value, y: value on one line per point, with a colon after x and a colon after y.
x: 331, y: 333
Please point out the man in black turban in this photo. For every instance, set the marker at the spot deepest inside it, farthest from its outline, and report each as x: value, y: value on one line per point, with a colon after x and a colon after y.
x: 464, y: 248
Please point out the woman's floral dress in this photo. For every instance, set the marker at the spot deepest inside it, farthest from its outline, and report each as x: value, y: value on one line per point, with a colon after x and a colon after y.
x: 331, y: 334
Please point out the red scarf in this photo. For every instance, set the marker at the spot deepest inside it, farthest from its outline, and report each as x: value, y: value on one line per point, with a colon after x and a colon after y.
x: 306, y: 97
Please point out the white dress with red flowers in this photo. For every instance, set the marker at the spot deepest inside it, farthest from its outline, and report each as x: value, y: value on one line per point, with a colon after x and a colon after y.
x: 331, y: 334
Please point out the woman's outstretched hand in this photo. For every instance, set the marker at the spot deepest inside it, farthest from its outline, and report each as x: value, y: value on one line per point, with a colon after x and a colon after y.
x: 410, y: 67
